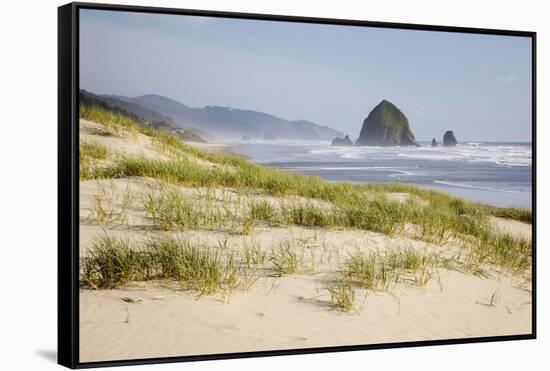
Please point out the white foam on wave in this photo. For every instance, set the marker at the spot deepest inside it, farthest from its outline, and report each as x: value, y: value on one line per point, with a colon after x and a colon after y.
x: 363, y: 168
x: 503, y: 155
x: 478, y: 187
x: 401, y: 173
x: 396, y: 172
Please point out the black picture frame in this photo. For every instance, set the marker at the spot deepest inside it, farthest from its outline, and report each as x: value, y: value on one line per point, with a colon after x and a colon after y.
x: 68, y: 182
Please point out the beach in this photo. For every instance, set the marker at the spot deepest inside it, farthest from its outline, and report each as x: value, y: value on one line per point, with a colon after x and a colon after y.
x: 289, y: 252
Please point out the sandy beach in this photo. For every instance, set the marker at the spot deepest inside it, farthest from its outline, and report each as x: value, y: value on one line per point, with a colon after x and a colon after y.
x: 162, y: 318
x: 292, y: 312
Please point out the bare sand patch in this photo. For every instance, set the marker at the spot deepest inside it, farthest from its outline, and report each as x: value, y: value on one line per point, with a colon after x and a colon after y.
x: 137, y: 145
x: 512, y: 227
x: 292, y: 312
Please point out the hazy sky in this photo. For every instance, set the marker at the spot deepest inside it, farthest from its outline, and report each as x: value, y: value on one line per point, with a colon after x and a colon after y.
x: 477, y: 85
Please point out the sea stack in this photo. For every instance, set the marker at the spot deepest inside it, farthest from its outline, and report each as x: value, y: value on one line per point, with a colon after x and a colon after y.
x: 270, y: 136
x: 434, y: 142
x: 386, y: 125
x: 449, y: 139
x: 342, y: 141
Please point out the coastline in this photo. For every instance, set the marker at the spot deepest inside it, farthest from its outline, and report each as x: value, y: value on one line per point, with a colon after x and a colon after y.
x: 497, y: 174
x: 227, y: 148
x: 293, y: 260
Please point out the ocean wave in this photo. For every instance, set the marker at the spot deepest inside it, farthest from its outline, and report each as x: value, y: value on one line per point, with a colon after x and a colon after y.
x: 473, y: 152
x: 402, y: 173
x: 444, y: 182
x: 349, y: 168
x: 395, y: 171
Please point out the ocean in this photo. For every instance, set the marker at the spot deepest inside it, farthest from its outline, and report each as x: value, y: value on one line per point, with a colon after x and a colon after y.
x: 498, y: 174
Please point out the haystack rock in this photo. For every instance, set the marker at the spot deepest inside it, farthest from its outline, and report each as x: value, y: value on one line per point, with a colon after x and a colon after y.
x: 449, y: 139
x: 342, y: 141
x: 386, y: 125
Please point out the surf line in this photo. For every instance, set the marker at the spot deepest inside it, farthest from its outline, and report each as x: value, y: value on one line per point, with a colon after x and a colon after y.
x: 478, y: 188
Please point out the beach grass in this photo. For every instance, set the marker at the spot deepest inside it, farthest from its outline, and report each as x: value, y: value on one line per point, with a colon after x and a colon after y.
x: 110, y: 206
x: 342, y: 295
x: 261, y: 210
x: 370, y: 271
x: 284, y: 259
x: 170, y: 210
x: 113, y: 262
x: 381, y: 271
x: 92, y: 150
x: 252, y: 254
x: 113, y: 123
x: 436, y: 217
x: 102, y: 212
x: 90, y: 154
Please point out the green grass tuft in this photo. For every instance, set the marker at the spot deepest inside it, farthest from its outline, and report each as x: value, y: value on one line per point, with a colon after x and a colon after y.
x: 370, y: 271
x: 113, y: 262
x: 284, y: 259
x: 261, y: 210
x: 342, y: 296
x: 93, y: 150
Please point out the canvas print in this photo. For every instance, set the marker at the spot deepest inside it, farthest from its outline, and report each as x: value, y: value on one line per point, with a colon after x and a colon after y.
x: 254, y: 185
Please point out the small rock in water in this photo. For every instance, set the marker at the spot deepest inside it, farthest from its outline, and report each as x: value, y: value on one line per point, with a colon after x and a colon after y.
x: 449, y: 139
x: 346, y: 141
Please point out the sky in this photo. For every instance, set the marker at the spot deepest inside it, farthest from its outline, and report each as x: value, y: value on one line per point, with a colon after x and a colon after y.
x: 479, y: 86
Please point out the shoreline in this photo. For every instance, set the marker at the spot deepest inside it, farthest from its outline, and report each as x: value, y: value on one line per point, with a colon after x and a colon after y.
x: 288, y: 246
x: 480, y: 194
x: 227, y: 148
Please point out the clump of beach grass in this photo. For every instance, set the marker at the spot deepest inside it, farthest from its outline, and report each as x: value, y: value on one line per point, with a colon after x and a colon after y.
x: 252, y: 253
x: 284, y: 259
x: 203, y: 270
x: 410, y: 259
x: 171, y: 210
x: 113, y: 123
x: 92, y: 150
x: 522, y: 215
x: 110, y: 206
x: 113, y: 262
x: 90, y: 153
x: 381, y: 271
x: 261, y: 210
x: 511, y: 252
x: 110, y: 263
x: 308, y: 215
x: 101, y: 212
x: 370, y: 271
x: 342, y: 295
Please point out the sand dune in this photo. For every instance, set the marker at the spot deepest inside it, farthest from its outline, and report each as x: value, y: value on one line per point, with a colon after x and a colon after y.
x: 161, y: 319
x: 293, y: 312
x: 290, y: 311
